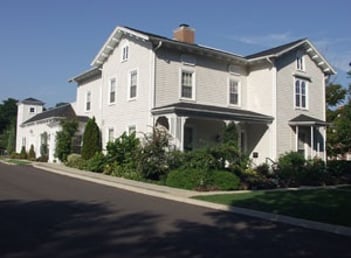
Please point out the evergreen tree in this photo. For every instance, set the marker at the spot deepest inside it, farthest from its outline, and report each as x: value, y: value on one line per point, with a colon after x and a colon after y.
x: 91, y: 139
x: 31, y: 153
x: 11, y: 139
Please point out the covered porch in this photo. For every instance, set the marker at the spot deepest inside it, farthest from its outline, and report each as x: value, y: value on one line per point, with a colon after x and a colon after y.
x: 310, y: 136
x: 194, y: 126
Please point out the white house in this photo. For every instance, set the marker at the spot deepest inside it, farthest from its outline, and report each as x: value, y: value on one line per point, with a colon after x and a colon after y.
x: 138, y: 80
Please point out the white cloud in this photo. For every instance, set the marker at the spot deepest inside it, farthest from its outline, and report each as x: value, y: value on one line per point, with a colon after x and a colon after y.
x: 269, y: 40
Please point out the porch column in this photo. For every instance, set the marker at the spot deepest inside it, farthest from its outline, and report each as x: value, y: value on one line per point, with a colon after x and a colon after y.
x: 180, y: 131
x: 312, y: 141
x: 297, y: 138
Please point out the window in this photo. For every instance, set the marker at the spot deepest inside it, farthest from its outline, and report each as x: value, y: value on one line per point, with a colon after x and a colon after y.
x: 88, y: 101
x: 112, y: 95
x: 131, y: 129
x: 32, y: 110
x: 124, y: 53
x: 187, y: 85
x: 300, y: 61
x: 133, y: 81
x: 233, y: 92
x: 111, y: 132
x: 300, y: 93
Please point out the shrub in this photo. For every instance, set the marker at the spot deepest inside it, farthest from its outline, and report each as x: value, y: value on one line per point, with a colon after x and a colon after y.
x: 202, y: 159
x: 75, y: 161
x: 23, y: 153
x: 152, y: 157
x: 96, y: 163
x: 290, y: 165
x: 314, y: 173
x: 224, y: 180
x: 91, y: 140
x: 127, y: 172
x: 15, y: 155
x: 31, y: 153
x: 43, y: 159
x: 123, y: 149
x: 190, y: 178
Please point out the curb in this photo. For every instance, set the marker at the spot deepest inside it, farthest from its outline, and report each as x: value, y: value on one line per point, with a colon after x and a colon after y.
x: 308, y: 224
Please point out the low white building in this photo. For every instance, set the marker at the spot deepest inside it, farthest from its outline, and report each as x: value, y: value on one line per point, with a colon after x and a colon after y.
x: 138, y: 79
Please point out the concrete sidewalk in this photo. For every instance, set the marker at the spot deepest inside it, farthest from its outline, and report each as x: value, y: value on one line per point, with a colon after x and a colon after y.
x: 181, y: 195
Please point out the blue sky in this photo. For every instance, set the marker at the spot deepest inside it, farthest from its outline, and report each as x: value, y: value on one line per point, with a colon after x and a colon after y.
x: 43, y: 43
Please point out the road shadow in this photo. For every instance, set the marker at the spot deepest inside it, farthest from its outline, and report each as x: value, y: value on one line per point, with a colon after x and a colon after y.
x: 75, y: 229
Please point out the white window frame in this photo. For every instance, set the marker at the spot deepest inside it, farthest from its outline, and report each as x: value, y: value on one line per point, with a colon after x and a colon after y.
x: 130, y: 83
x: 300, y: 61
x: 124, y: 52
x: 87, y: 100
x: 231, y: 79
x: 110, y: 138
x: 110, y: 91
x: 131, y: 129
x: 193, y: 82
x: 300, y: 80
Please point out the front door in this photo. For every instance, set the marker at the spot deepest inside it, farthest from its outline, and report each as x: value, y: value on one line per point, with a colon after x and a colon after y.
x: 301, y: 144
x: 188, y: 138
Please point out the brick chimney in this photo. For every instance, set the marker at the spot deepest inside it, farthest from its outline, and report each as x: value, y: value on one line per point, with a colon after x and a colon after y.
x: 184, y: 34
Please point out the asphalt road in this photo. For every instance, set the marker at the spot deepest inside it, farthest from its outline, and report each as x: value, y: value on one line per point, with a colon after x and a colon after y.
x: 48, y: 215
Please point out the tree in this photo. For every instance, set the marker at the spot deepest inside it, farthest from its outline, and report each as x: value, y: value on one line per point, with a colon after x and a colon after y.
x: 339, y: 116
x: 8, y: 115
x: 31, y: 153
x: 11, y: 138
x: 64, y: 139
x: 91, y: 139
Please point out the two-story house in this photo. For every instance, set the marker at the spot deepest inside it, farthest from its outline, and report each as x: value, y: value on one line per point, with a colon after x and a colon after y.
x: 139, y: 80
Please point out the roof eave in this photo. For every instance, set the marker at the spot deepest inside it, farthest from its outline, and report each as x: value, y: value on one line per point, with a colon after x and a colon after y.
x: 112, y: 41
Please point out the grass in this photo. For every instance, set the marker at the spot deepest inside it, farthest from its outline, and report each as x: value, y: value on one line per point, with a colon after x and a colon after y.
x: 18, y: 162
x: 324, y: 205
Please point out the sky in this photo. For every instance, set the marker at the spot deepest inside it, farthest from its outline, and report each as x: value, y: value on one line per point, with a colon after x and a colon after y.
x: 44, y: 43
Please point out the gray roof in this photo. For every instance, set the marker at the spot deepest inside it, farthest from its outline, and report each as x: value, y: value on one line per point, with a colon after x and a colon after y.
x: 209, y: 111
x: 275, y: 50
x: 306, y: 120
x: 65, y: 111
x: 32, y: 101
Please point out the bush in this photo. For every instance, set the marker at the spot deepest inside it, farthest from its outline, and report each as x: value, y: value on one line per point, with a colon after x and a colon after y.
x: 290, y: 165
x: 123, y: 149
x: 96, y: 163
x: 121, y: 171
x: 31, y: 153
x: 23, y: 154
x: 152, y: 158
x: 314, y: 173
x: 190, y: 178
x: 43, y: 159
x: 202, y: 159
x: 224, y: 180
x: 76, y: 161
x: 91, y: 140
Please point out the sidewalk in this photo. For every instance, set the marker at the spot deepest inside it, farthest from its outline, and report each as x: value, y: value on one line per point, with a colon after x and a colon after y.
x: 183, y: 196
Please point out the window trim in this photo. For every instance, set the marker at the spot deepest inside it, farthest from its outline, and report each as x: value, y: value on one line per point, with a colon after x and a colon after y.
x: 30, y: 110
x: 108, y: 134
x: 87, y: 97
x: 306, y: 107
x: 193, y: 82
x: 300, y: 65
x: 124, y: 56
x: 239, y: 91
x: 109, y: 90
x: 130, y: 85
x: 129, y: 129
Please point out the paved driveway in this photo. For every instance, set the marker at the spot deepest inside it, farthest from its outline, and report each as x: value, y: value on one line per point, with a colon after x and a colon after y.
x: 48, y: 215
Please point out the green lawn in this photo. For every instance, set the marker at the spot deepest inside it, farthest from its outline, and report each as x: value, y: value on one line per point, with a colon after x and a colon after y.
x: 18, y: 162
x: 324, y: 205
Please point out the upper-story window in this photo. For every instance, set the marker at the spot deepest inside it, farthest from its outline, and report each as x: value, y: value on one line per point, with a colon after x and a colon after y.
x: 301, y: 93
x: 111, y: 133
x: 32, y: 110
x: 300, y: 64
x: 187, y: 84
x: 133, y: 84
x: 112, y: 95
x: 131, y: 129
x: 124, y: 53
x: 233, y: 92
x: 88, y: 101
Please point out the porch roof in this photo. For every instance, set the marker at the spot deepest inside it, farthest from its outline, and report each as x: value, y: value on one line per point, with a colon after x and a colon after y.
x: 306, y: 120
x: 209, y: 111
